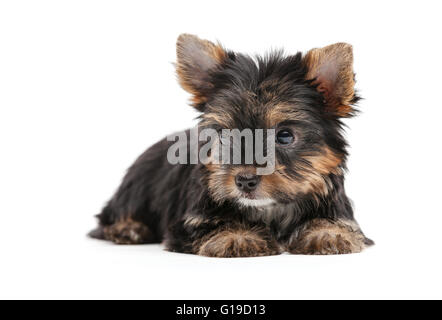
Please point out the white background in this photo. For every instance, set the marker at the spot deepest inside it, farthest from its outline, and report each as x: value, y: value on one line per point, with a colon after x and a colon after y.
x: 86, y: 86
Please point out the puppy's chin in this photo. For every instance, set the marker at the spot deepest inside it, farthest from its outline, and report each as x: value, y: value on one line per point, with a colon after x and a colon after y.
x: 246, y: 202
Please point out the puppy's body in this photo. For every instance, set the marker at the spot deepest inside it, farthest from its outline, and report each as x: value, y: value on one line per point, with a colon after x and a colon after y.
x: 301, y: 207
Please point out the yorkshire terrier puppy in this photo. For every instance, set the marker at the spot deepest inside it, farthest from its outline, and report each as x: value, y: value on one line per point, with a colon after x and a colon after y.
x: 222, y: 209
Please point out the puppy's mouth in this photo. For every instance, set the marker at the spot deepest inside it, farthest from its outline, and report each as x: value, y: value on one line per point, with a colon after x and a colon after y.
x: 247, y: 202
x: 248, y: 195
x: 251, y: 200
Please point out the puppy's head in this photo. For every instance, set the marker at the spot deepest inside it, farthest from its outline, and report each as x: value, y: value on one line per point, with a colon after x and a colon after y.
x: 301, y: 97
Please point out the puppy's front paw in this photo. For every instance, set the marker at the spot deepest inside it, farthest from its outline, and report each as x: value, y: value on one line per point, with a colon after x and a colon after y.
x: 323, y: 237
x: 237, y: 243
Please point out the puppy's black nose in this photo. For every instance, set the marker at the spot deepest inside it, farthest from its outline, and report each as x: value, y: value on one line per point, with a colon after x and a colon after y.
x: 247, y: 182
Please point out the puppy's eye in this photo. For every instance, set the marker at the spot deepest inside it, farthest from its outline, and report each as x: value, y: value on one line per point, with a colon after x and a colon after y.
x: 284, y: 137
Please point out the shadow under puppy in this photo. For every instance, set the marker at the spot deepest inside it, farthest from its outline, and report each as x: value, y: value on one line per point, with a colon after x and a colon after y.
x: 226, y: 210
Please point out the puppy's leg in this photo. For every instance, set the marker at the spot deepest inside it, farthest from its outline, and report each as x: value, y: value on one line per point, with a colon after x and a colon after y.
x: 121, y: 229
x: 236, y: 242
x: 206, y: 238
x: 125, y: 231
x: 325, y: 237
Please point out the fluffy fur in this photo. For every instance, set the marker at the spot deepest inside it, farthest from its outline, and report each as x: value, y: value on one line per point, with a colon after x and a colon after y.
x: 301, y: 208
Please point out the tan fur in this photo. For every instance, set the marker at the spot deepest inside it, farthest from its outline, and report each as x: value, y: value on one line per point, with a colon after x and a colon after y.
x: 223, y: 119
x: 212, y: 55
x: 282, y: 112
x: 314, y: 179
x: 215, y: 114
x: 326, y: 161
x: 236, y: 242
x: 323, y: 163
x: 193, y: 221
x: 324, y: 237
x: 332, y: 66
x: 127, y: 232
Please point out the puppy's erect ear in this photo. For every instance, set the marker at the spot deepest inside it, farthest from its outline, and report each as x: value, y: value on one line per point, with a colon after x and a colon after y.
x: 332, y: 69
x: 196, y: 59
